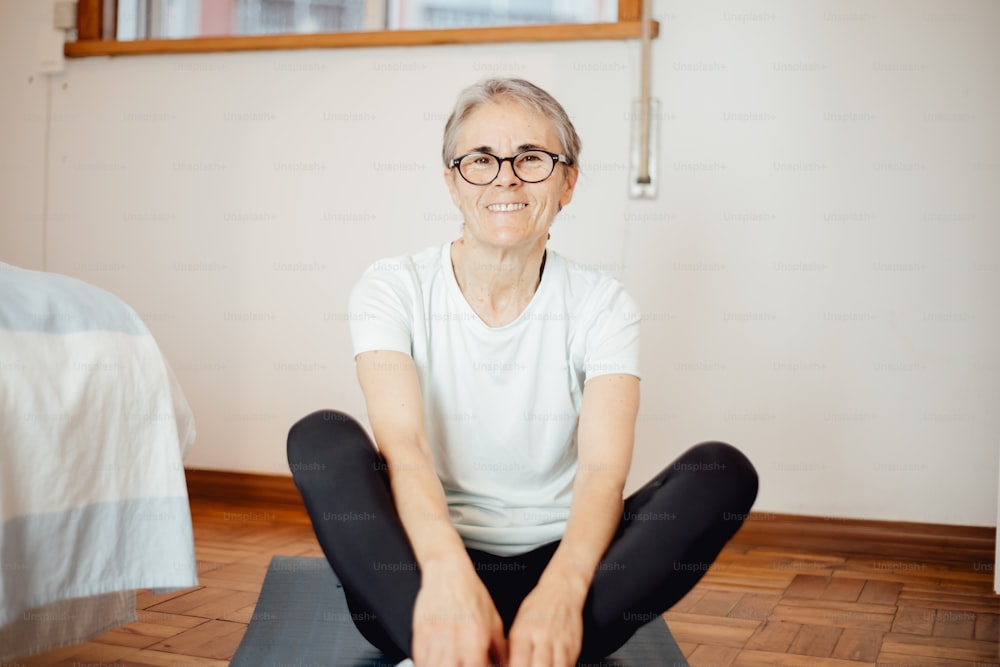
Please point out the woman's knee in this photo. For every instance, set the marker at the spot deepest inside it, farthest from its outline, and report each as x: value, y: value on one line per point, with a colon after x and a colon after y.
x: 721, y: 456
x: 729, y: 462
x: 323, y: 437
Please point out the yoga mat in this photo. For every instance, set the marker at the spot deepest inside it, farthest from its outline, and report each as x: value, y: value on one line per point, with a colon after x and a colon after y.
x: 302, y: 619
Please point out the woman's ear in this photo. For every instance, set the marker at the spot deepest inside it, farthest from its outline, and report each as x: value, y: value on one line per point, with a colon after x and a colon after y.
x: 449, y: 181
x: 569, y: 184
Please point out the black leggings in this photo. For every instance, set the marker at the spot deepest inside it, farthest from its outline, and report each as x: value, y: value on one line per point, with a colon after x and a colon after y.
x: 670, y: 532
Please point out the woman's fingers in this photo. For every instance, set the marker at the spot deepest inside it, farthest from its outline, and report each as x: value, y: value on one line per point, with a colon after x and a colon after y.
x: 520, y: 652
x: 544, y: 653
x: 498, y: 642
x: 455, y: 623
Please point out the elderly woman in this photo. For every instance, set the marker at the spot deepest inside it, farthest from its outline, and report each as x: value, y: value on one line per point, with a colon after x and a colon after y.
x: 502, y: 387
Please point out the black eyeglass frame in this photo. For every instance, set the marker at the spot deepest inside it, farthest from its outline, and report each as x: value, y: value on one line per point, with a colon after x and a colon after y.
x: 556, y: 159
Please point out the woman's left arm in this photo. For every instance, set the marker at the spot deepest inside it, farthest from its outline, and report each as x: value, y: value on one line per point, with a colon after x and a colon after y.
x: 548, y: 629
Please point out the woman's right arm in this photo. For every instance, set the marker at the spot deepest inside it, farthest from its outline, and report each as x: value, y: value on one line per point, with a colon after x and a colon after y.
x: 455, y: 623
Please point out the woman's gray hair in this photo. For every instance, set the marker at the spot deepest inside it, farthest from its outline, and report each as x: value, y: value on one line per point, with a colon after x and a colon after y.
x: 520, y: 91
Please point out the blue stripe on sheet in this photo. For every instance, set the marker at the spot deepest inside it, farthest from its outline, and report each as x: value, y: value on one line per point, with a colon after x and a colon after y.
x: 54, y: 303
x: 96, y: 549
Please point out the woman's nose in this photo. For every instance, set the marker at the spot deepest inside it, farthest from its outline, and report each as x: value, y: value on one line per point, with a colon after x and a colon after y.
x: 507, y: 175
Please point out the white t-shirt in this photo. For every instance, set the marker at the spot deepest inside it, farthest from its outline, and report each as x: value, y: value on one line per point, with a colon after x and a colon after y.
x: 501, y: 405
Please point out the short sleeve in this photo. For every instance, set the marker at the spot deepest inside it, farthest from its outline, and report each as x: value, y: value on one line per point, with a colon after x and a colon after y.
x: 613, y: 334
x: 380, y: 311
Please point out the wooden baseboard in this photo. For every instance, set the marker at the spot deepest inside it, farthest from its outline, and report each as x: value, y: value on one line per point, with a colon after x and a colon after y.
x: 884, y: 540
x: 242, y: 488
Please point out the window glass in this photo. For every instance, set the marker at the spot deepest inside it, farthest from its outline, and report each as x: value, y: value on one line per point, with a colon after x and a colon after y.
x: 167, y: 19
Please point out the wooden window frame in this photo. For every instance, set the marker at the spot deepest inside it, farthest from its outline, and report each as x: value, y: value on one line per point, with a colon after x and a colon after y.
x: 96, y: 29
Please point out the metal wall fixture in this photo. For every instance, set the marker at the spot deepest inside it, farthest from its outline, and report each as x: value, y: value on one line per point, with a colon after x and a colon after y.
x: 645, y: 140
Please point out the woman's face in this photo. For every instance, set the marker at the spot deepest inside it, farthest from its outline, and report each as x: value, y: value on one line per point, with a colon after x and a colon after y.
x: 505, y: 129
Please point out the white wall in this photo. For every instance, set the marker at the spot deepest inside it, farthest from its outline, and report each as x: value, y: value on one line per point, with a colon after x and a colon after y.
x: 23, y: 115
x: 819, y: 273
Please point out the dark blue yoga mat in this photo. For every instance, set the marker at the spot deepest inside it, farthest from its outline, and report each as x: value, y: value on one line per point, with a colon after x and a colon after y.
x: 302, y: 618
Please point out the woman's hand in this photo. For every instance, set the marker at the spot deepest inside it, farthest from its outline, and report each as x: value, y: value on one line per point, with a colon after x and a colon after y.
x: 548, y: 628
x: 455, y: 623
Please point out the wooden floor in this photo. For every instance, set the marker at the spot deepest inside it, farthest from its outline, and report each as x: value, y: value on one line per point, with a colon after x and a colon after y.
x: 782, y: 593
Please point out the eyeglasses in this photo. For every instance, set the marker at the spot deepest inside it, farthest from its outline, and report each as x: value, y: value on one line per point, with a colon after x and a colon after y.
x: 529, y: 166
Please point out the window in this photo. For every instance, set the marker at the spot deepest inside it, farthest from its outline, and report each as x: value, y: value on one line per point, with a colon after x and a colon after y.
x: 121, y: 27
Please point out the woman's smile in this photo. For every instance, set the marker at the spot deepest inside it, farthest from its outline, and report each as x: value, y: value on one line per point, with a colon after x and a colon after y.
x: 506, y: 208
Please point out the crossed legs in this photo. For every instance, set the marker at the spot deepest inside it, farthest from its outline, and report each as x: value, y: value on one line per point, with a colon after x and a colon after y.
x: 670, y: 533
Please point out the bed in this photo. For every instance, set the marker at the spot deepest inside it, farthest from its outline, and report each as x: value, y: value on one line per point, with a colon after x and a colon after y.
x: 93, y: 431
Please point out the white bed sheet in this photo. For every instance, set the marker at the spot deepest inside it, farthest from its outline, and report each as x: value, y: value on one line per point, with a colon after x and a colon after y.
x: 93, y: 431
